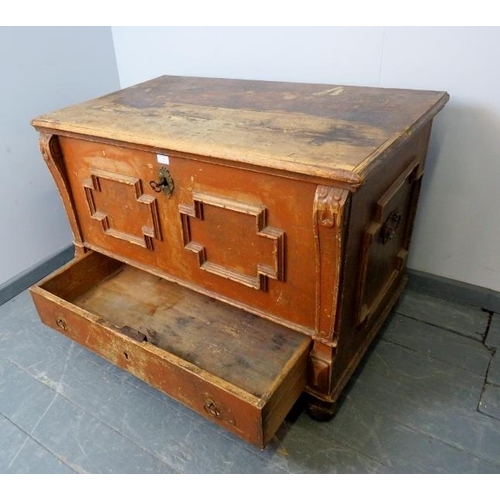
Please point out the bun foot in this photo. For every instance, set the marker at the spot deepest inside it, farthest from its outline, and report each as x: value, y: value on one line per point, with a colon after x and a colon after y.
x: 323, y: 411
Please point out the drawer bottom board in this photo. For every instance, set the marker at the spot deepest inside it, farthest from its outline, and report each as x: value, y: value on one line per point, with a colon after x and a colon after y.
x: 231, y: 366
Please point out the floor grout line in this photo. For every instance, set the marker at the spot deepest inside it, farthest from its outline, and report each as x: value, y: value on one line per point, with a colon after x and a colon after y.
x: 425, y: 388
x: 430, y: 356
x: 433, y: 436
x: 17, y: 454
x: 57, y: 393
x: 479, y: 337
x: 29, y: 436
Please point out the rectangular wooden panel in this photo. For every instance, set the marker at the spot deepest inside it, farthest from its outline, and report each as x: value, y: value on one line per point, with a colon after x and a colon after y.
x: 231, y: 232
x: 239, y: 370
x: 386, y: 239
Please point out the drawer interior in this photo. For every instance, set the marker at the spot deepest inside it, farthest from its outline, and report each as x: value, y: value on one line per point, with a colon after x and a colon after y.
x: 264, y: 362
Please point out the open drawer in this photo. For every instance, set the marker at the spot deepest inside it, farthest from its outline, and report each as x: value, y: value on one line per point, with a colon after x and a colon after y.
x: 239, y: 370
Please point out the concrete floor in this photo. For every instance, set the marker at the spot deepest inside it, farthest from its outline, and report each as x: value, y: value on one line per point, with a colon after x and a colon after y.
x: 427, y: 399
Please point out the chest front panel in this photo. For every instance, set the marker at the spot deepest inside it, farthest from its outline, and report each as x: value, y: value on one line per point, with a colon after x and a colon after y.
x: 243, y: 235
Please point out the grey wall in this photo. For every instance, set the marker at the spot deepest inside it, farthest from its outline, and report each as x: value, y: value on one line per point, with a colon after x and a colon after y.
x: 457, y: 233
x: 42, y: 69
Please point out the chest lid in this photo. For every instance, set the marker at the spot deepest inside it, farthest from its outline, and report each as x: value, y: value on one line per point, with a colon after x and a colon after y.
x: 323, y: 131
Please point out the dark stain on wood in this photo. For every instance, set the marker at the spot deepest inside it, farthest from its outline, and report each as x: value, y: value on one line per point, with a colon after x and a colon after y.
x: 326, y: 131
x: 133, y: 334
x: 346, y: 134
x: 211, y: 335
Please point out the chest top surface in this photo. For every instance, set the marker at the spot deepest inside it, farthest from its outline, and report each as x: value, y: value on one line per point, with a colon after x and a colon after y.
x: 326, y: 131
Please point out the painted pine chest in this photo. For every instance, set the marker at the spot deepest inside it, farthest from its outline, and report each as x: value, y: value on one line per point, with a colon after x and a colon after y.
x: 238, y: 243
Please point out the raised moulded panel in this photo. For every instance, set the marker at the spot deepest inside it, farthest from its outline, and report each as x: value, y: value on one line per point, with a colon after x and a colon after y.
x: 262, y: 246
x: 117, y: 201
x: 386, y: 240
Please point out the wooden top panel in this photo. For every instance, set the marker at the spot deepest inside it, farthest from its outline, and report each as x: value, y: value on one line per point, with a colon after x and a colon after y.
x: 327, y: 131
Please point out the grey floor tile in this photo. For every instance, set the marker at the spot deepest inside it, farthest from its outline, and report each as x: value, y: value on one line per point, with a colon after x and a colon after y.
x: 35, y: 459
x: 299, y: 448
x: 493, y: 337
x: 18, y: 310
x: 447, y: 416
x: 19, y: 319
x: 88, y: 445
x: 23, y: 400
x: 437, y: 343
x: 465, y: 320
x: 401, y: 448
x: 414, y: 369
x: 490, y: 402
x: 11, y: 441
x: 494, y: 370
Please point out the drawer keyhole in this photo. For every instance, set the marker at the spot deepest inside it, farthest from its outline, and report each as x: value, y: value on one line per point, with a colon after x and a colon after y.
x: 212, y: 408
x: 61, y: 323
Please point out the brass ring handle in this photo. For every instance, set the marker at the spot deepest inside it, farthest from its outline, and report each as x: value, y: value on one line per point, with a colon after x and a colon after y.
x: 390, y: 227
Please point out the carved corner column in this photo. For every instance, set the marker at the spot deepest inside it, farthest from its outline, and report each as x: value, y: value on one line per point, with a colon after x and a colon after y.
x: 52, y: 154
x: 330, y: 217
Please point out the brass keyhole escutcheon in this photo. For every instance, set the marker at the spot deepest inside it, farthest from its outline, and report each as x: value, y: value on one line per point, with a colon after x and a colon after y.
x: 390, y: 227
x: 165, y: 182
x: 212, y: 408
x: 61, y: 323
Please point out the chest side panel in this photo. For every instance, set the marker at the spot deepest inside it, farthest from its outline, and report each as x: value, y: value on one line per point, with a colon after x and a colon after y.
x: 243, y: 235
x: 382, y: 216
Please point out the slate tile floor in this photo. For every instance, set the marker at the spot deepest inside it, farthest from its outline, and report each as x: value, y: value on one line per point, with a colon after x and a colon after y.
x: 426, y: 400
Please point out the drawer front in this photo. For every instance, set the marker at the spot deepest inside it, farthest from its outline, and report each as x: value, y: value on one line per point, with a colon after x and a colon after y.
x: 242, y: 235
x: 93, y: 300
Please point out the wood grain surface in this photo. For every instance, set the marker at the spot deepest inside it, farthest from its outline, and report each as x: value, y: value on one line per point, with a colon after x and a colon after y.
x: 325, y: 131
x: 235, y: 368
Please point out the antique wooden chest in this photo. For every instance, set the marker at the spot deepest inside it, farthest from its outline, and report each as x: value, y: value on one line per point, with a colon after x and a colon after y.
x: 237, y: 242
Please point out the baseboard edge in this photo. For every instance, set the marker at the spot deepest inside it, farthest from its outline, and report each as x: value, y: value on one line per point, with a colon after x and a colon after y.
x: 35, y: 273
x: 456, y: 291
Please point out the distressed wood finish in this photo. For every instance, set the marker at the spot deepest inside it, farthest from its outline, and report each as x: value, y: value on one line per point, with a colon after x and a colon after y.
x: 182, y: 342
x: 292, y: 202
x: 332, y: 132
x: 252, y: 239
x: 355, y: 336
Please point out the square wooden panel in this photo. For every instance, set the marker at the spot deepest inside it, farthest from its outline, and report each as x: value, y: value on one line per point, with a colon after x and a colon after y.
x: 274, y: 262
x: 118, y: 202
